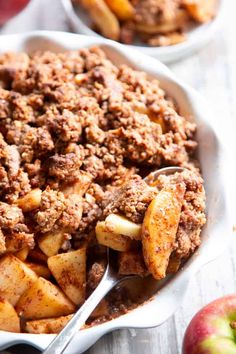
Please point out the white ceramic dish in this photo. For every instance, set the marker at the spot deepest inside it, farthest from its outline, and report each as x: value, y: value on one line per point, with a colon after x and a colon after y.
x: 198, y: 36
x: 216, y: 233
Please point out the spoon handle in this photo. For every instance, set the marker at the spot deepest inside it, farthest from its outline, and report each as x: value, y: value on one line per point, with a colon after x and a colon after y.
x: 62, y: 340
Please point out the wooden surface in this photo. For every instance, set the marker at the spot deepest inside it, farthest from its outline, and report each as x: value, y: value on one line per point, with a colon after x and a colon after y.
x: 212, y: 71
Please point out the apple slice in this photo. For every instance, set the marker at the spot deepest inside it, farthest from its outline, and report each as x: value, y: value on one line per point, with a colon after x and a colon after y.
x: 103, y: 17
x: 2, y: 243
x: 201, y: 10
x: 9, y: 320
x: 115, y: 241
x: 44, y: 300
x: 51, y: 242
x: 15, y: 278
x: 22, y: 254
x: 80, y: 187
x: 69, y: 270
x: 118, y: 224
x: 36, y: 255
x: 160, y: 226
x: 132, y: 262
x: 40, y: 269
x: 48, y: 325
x: 174, y: 264
x: 30, y: 201
x: 121, y: 8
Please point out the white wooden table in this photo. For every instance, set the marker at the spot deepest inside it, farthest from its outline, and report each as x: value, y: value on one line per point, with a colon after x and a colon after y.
x: 212, y: 71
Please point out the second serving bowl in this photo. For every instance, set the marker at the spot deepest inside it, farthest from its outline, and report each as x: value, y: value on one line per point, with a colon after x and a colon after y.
x: 198, y: 36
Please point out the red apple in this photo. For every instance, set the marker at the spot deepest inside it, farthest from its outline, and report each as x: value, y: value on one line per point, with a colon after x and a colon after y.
x: 213, y: 329
x: 10, y: 8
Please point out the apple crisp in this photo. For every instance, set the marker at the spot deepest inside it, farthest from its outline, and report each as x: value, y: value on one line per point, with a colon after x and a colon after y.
x: 153, y: 22
x: 77, y: 136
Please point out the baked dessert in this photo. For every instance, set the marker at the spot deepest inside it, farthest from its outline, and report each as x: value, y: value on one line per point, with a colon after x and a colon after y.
x: 154, y: 22
x: 77, y: 136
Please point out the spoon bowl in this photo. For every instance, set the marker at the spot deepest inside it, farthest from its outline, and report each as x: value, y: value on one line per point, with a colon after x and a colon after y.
x: 152, y: 177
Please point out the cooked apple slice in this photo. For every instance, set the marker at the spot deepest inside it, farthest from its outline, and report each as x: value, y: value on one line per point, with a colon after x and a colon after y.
x: 132, y: 262
x: 103, y: 17
x: 48, y: 325
x: 79, y: 187
x: 36, y: 255
x: 121, y: 8
x: 2, y: 243
x: 30, y: 201
x: 40, y: 269
x: 157, y: 118
x: 22, y: 254
x: 160, y: 227
x: 44, y: 300
x: 15, y: 278
x: 201, y: 10
x: 69, y: 270
x: 9, y: 320
x: 115, y: 241
x: 51, y: 242
x: 174, y: 264
x: 118, y: 224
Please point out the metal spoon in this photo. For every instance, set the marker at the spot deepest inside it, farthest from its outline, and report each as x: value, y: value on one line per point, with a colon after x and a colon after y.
x: 109, y: 280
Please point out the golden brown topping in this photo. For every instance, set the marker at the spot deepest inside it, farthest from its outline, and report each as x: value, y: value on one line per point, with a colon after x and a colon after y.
x: 131, y: 199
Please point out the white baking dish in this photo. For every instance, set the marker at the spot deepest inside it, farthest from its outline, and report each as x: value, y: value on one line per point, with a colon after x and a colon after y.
x: 214, y: 163
x: 197, y: 36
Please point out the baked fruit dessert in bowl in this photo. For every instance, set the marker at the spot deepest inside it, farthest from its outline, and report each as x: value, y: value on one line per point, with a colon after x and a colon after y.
x: 83, y: 121
x: 165, y: 29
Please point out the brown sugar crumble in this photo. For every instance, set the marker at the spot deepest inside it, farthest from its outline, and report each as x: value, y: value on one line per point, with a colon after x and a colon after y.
x: 77, y: 135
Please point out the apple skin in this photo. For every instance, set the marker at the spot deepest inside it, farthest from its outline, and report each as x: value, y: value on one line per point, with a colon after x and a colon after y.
x: 10, y: 8
x: 210, y: 330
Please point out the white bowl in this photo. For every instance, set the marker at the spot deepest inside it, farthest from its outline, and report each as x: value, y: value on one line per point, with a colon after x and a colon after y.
x: 198, y: 36
x: 216, y: 233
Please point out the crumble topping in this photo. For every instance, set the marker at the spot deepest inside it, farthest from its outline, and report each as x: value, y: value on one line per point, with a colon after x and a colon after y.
x: 112, y: 124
